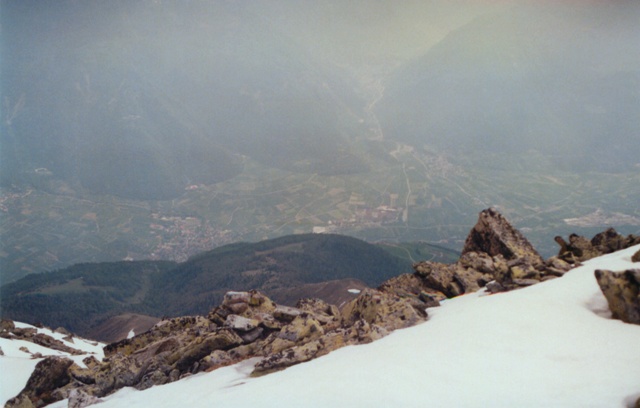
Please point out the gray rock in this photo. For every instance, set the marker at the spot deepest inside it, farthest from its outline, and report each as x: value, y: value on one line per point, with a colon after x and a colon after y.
x: 622, y: 291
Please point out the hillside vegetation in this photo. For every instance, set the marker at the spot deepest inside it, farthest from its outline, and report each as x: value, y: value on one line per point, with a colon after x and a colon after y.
x: 84, y: 295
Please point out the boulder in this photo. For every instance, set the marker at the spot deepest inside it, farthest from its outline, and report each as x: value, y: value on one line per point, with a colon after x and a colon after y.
x: 622, y: 291
x: 48, y: 376
x: 636, y: 257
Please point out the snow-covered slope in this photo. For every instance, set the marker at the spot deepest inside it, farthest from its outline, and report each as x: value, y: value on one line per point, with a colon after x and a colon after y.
x: 17, y: 365
x: 549, y: 345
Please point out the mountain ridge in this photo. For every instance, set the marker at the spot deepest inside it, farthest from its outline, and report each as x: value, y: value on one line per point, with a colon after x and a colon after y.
x: 86, y: 295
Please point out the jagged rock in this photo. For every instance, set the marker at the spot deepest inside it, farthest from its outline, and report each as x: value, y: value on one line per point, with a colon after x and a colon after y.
x: 579, y: 249
x: 610, y: 241
x: 380, y: 308
x: 80, y: 399
x: 636, y: 257
x: 49, y: 375
x: 622, y: 291
x: 494, y: 235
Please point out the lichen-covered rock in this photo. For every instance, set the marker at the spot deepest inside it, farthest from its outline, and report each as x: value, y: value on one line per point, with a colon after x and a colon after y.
x: 328, y: 315
x: 286, y: 313
x: 223, y: 339
x: 302, y: 327
x: 48, y: 376
x: 299, y: 354
x: 622, y: 291
x: 380, y: 308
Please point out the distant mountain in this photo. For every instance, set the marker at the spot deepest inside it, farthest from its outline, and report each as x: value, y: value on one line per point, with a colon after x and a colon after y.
x: 141, y: 99
x: 557, y: 78
x: 288, y: 268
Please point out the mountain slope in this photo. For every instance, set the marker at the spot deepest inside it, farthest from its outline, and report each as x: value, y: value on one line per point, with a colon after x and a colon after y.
x: 552, y: 344
x: 559, y: 78
x: 83, y: 296
x: 270, y: 265
x: 141, y: 99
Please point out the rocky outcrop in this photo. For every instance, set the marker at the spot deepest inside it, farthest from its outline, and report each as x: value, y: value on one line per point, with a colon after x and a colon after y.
x: 494, y: 235
x: 245, y: 325
x: 579, y: 249
x: 495, y: 256
x: 636, y: 257
x: 622, y: 291
x: 8, y: 330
